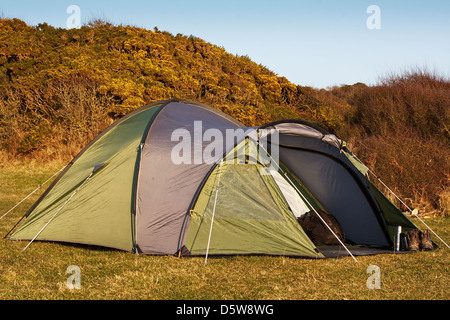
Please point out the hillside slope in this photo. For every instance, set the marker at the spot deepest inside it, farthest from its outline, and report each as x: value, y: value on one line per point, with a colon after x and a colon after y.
x: 59, y: 88
x: 65, y: 84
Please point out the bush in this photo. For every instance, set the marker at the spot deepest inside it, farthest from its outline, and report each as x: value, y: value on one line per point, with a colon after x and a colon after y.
x: 400, y: 129
x: 59, y: 88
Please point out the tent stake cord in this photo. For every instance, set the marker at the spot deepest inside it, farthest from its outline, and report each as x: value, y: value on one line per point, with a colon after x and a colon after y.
x: 214, y: 210
x: 67, y: 201
x: 40, y: 186
x: 413, y: 212
x: 306, y: 200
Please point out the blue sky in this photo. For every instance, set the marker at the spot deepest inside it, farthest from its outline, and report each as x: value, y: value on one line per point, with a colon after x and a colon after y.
x: 313, y: 43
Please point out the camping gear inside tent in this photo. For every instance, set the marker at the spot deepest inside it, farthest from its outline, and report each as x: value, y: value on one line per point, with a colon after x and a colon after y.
x: 137, y: 188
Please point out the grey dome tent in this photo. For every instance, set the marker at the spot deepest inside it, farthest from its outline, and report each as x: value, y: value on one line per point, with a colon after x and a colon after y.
x: 125, y: 191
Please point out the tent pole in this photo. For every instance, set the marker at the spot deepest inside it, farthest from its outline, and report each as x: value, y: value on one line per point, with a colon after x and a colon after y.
x: 40, y: 186
x: 413, y: 212
x: 214, y: 210
x: 306, y: 200
x: 67, y: 201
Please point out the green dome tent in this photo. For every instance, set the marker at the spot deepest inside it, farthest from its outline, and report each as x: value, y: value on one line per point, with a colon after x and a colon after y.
x: 160, y: 181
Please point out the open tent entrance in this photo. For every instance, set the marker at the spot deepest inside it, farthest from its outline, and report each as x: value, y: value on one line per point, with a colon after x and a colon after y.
x: 327, y: 170
x: 339, y: 193
x: 245, y: 207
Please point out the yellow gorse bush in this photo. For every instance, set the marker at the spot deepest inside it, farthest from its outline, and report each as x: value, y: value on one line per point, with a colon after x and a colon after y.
x: 59, y: 88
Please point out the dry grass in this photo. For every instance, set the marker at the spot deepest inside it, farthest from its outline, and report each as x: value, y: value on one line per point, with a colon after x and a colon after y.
x: 40, y: 271
x: 444, y: 202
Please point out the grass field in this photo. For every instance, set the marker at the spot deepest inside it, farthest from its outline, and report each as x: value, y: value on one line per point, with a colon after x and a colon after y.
x: 40, y: 271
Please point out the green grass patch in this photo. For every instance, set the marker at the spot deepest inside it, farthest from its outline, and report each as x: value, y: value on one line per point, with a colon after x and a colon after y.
x: 40, y: 271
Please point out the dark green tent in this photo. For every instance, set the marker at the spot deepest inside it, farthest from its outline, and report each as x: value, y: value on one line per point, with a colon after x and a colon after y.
x: 136, y: 188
